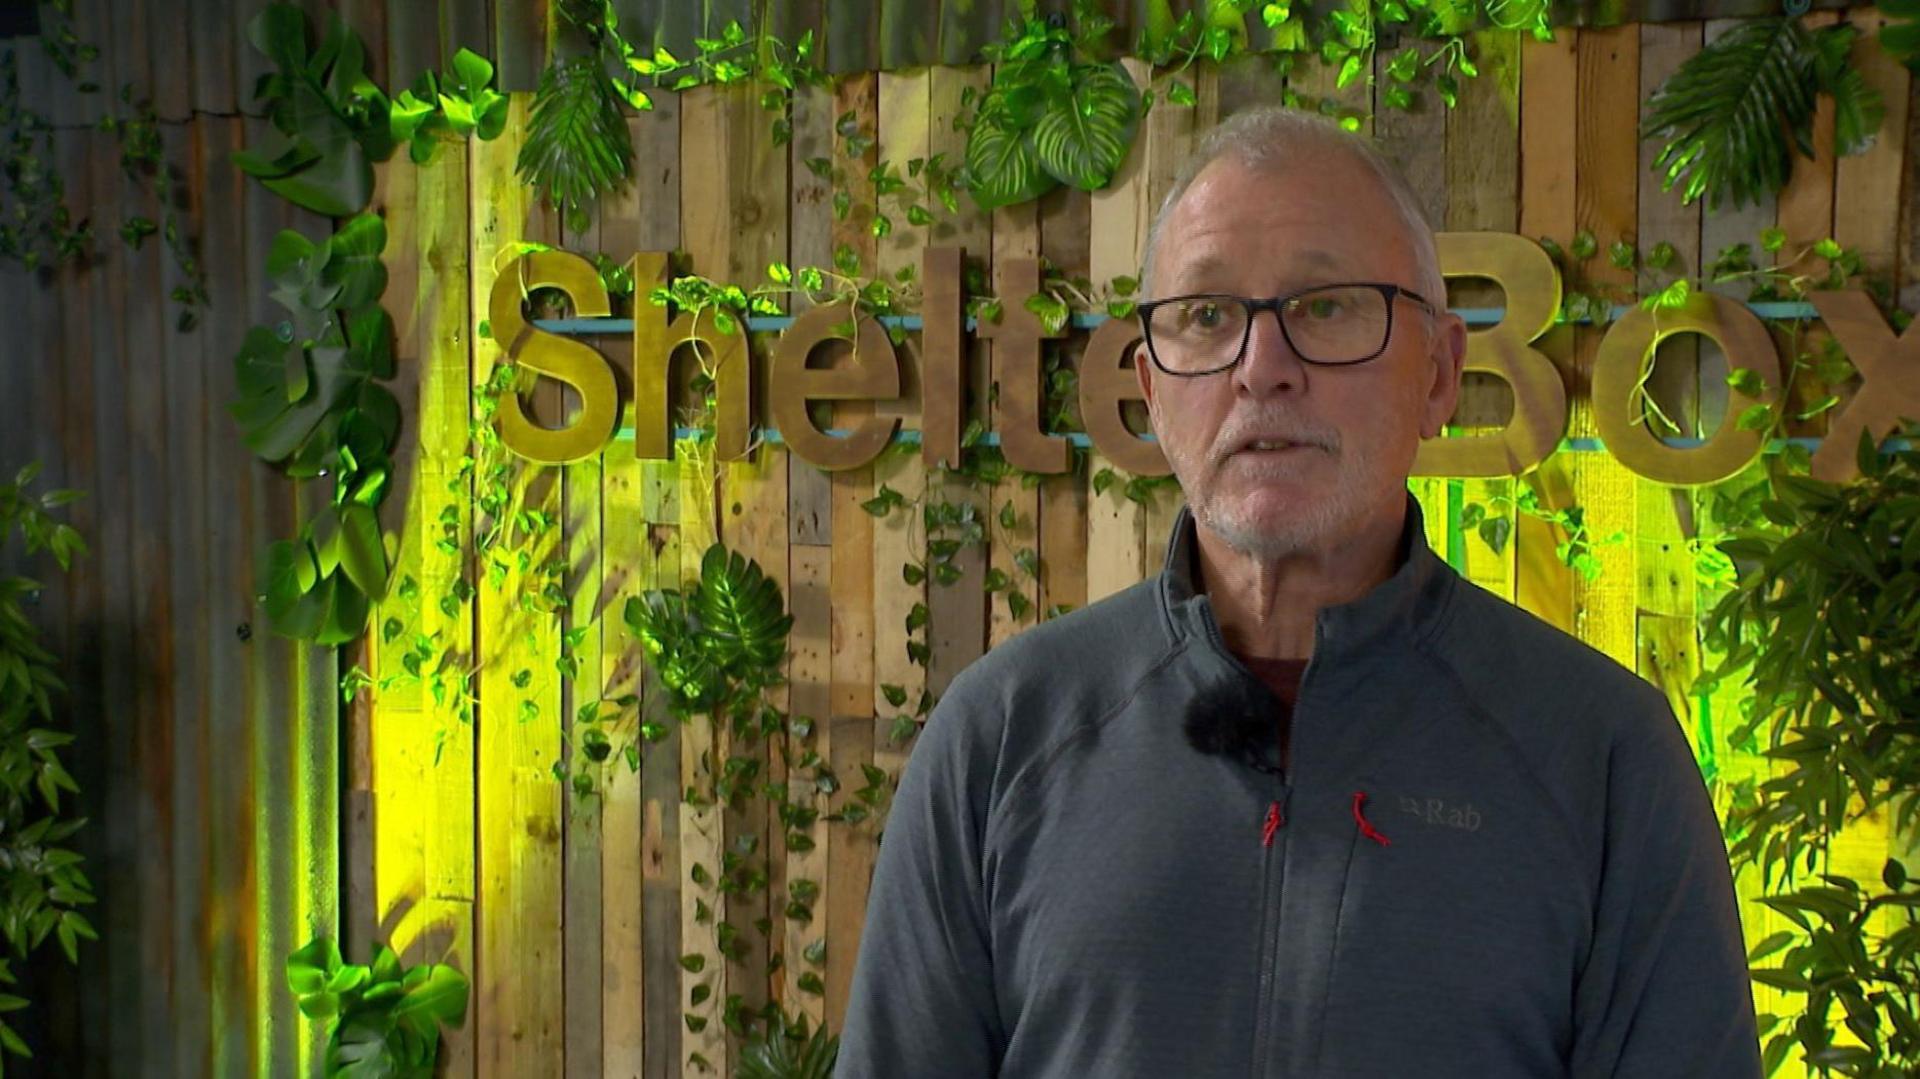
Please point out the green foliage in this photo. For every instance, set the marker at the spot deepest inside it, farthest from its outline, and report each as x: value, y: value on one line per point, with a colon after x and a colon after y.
x: 577, y: 144
x: 1900, y: 37
x: 1823, y: 626
x: 385, y: 1018
x: 1734, y: 112
x: 1051, y: 117
x: 718, y: 643
x: 36, y: 227
x: 784, y: 1050
x: 310, y: 398
x: 453, y: 106
x: 329, y: 120
x: 40, y: 878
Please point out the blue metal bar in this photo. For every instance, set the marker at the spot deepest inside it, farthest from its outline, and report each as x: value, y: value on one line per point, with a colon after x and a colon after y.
x: 1080, y: 440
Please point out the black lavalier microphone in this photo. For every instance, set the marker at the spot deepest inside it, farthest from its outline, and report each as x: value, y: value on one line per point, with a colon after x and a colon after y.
x: 1236, y: 725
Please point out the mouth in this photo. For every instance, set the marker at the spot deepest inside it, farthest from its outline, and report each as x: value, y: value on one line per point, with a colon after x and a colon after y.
x: 1268, y: 447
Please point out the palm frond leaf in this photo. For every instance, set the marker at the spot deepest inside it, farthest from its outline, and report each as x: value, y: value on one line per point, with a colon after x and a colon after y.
x: 577, y: 142
x: 1727, y: 113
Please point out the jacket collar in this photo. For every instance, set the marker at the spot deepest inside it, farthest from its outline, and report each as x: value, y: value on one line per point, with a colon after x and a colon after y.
x: 1406, y: 605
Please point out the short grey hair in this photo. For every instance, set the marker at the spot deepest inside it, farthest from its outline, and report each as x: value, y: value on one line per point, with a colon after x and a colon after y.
x: 1271, y: 137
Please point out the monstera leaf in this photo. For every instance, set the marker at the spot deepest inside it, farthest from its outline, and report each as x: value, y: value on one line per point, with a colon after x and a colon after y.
x: 741, y: 616
x: 728, y: 633
x: 1082, y: 138
x: 786, y: 1051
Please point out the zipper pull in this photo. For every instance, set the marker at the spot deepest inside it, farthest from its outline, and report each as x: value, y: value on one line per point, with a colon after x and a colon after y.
x: 1272, y: 825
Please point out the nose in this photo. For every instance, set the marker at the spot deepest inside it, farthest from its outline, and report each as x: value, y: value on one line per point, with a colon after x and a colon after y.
x: 1270, y: 365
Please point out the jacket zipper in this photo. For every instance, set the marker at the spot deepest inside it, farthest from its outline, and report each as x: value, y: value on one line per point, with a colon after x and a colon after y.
x: 1272, y: 861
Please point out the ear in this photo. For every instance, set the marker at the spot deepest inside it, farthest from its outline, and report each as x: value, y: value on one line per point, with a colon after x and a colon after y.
x: 1143, y: 371
x: 1446, y: 358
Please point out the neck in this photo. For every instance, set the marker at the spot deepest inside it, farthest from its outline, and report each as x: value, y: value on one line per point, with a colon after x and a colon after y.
x: 1267, y: 608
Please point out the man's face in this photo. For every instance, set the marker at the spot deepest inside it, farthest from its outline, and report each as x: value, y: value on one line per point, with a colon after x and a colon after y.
x: 1352, y: 430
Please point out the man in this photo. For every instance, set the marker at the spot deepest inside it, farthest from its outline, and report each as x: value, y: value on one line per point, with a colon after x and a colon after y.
x: 1306, y: 803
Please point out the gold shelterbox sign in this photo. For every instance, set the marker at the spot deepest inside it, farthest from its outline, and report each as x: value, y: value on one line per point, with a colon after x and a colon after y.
x: 1889, y: 365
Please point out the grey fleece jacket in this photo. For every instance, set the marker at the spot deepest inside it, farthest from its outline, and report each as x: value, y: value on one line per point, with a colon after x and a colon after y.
x: 1493, y: 856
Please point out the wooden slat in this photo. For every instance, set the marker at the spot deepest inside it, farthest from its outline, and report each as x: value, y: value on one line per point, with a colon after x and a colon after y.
x: 185, y: 586
x: 956, y: 626
x: 1605, y: 204
x: 519, y: 42
x: 809, y: 674
x: 660, y: 790
x: 169, y: 78
x: 214, y: 48
x: 226, y: 566
x: 584, y: 916
x: 1806, y: 215
x: 1725, y: 227
x: 703, y: 751
x: 386, y: 836
x: 466, y: 21
x: 756, y: 497
x: 368, y: 18
x: 249, y: 63
x: 1483, y: 175
x: 810, y: 489
x: 118, y: 871
x: 1549, y: 77
x: 1867, y: 185
x: 1675, y: 381
x: 413, y: 43
x: 1060, y: 538
x: 1415, y: 139
x: 519, y: 989
x: 1016, y: 235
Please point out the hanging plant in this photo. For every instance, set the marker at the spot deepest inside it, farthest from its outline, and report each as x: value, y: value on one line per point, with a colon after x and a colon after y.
x: 1737, y: 110
x: 310, y: 398
x: 1049, y: 118
x: 386, y: 1018
x: 448, y: 108
x: 577, y: 143
x: 329, y: 119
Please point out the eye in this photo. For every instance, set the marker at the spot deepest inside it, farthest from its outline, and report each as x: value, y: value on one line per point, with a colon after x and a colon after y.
x: 1205, y: 314
x: 1320, y: 307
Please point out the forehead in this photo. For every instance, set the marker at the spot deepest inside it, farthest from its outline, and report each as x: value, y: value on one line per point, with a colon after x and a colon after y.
x: 1265, y: 227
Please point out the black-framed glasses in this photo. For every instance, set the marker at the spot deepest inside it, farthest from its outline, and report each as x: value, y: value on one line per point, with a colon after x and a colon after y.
x: 1330, y: 325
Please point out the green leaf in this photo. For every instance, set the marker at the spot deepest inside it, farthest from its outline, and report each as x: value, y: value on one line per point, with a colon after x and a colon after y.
x: 1082, y: 139
x: 473, y: 70
x: 1857, y: 108
x: 1729, y: 110
x: 439, y: 995
x: 1003, y: 167
x: 362, y: 554
x: 577, y: 144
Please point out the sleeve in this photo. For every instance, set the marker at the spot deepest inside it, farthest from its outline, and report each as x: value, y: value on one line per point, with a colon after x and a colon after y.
x: 1665, y: 990
x: 923, y: 1001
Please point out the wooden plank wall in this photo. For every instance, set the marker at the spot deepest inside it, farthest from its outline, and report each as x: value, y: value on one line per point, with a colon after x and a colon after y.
x: 238, y: 809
